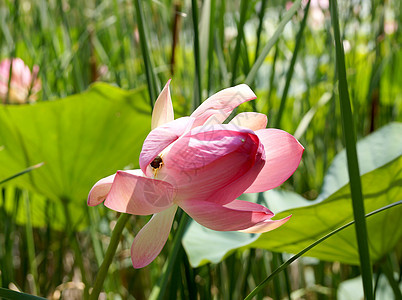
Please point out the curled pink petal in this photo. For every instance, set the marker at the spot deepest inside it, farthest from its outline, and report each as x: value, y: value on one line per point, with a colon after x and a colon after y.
x: 283, y: 154
x: 221, y: 104
x: 250, y: 120
x: 139, y: 195
x: 266, y: 225
x: 163, y: 108
x: 220, y: 160
x: 161, y: 137
x: 152, y: 237
x: 236, y: 215
x: 100, y: 190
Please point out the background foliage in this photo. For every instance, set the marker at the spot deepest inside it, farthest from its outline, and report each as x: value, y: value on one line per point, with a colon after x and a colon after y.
x: 51, y: 243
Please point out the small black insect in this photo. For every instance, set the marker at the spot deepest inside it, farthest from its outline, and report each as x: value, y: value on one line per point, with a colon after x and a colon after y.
x: 157, y: 162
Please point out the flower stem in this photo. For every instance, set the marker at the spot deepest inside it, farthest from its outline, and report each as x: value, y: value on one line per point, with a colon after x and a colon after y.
x: 111, y: 250
x: 159, y: 290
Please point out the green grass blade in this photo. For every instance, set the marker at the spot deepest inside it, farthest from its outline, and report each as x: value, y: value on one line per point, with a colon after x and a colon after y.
x: 305, y: 121
x: 204, y: 34
x: 389, y: 273
x: 211, y: 44
x: 72, y: 240
x: 286, y: 276
x: 96, y: 244
x: 353, y: 164
x: 9, y: 294
x: 191, y: 285
x: 286, y: 18
x: 305, y: 250
x: 277, y: 286
x: 240, y: 33
x: 271, y: 83
x: 30, y: 242
x: 245, y: 56
x: 149, y: 71
x: 22, y: 172
x: 221, y: 61
x: 289, y: 73
x: 197, y: 57
x: 260, y: 26
x: 221, y: 24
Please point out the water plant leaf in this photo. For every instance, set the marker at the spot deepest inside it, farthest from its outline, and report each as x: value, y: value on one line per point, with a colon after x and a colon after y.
x: 80, y: 139
x: 381, y: 157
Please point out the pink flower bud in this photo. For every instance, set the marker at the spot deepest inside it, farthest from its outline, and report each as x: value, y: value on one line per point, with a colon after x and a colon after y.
x: 24, y: 85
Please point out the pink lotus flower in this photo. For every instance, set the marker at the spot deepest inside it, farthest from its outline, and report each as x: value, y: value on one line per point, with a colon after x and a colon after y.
x: 201, y: 165
x: 24, y: 85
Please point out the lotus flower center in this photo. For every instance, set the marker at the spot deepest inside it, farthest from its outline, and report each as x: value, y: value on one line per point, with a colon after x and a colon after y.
x: 156, y: 163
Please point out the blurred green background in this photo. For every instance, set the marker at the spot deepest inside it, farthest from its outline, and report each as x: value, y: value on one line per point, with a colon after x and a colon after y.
x: 51, y: 243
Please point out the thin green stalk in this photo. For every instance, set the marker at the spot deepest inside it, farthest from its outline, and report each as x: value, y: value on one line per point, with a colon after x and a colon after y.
x: 119, y: 32
x: 10, y: 72
x: 211, y: 45
x: 305, y: 250
x: 374, y: 92
x: 221, y: 61
x: 33, y: 268
x: 276, y: 282
x: 111, y: 250
x: 260, y: 25
x: 286, y: 276
x: 61, y: 251
x: 247, y: 269
x: 94, y: 219
x: 190, y: 280
x: 75, y: 245
x: 221, y: 24
x: 351, y: 154
x: 376, y: 281
x: 29, y: 169
x: 78, y: 77
x: 47, y: 241
x: 174, y: 284
x: 231, y: 274
x: 289, y: 73
x: 246, y: 62
x: 151, y: 78
x: 389, y: 273
x: 271, y: 83
x: 7, y: 274
x: 14, y: 48
x: 240, y: 33
x: 3, y: 227
x: 197, y: 58
x: 175, y: 35
x: 259, y: 61
x: 159, y: 290
x: 209, y: 280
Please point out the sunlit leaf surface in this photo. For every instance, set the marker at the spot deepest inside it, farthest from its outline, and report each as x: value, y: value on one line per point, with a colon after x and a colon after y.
x: 80, y: 139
